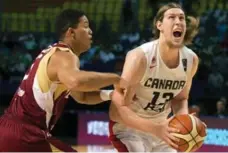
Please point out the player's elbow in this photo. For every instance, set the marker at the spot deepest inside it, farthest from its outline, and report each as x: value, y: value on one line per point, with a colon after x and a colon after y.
x: 118, y: 103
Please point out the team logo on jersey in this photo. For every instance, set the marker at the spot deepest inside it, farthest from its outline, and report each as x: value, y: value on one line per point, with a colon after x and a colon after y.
x: 20, y: 92
x: 184, y: 62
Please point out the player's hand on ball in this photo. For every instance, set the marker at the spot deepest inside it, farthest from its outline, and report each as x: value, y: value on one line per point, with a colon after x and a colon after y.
x: 197, y: 117
x: 164, y: 132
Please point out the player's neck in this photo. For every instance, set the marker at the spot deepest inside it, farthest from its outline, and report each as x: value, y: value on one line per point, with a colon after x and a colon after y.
x: 76, y: 51
x: 168, y: 54
x: 165, y: 47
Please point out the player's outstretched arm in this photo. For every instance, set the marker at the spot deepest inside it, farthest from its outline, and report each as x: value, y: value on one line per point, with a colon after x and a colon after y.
x: 96, y: 97
x: 93, y: 97
x: 65, y: 68
x: 180, y: 102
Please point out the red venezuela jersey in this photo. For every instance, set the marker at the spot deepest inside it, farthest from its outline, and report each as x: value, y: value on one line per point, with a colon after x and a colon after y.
x: 39, y: 101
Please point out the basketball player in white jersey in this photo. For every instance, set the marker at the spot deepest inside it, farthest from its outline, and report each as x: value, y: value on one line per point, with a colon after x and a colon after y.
x: 160, y: 73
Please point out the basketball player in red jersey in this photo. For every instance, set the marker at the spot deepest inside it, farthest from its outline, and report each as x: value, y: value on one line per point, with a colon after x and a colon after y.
x: 42, y: 94
x: 160, y: 73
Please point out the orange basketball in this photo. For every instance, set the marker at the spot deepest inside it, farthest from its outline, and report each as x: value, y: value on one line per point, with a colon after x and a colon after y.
x: 192, y: 132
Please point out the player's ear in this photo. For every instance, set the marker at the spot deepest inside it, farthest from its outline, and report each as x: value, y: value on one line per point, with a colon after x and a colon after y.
x: 67, y: 34
x: 71, y: 33
x: 159, y: 25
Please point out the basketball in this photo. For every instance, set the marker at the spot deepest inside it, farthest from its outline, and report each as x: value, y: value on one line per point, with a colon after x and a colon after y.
x: 192, y: 132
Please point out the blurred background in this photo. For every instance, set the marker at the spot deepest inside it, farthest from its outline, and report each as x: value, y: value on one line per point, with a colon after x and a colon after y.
x: 27, y: 27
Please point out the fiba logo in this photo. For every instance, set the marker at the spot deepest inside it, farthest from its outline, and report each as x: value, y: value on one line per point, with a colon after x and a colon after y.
x: 184, y: 62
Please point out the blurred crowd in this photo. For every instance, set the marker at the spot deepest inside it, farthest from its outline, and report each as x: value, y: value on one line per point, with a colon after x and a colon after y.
x: 210, y: 85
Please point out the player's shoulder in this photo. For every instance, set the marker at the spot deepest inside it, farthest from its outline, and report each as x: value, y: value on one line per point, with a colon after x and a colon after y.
x: 191, y: 54
x: 63, y: 55
x: 149, y: 45
x: 189, y: 51
x: 136, y: 53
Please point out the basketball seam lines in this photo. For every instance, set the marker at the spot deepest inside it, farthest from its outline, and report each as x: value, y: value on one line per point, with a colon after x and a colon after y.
x: 198, y: 132
x: 188, y: 130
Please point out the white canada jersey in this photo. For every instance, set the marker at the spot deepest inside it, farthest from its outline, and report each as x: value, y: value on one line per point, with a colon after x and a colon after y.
x: 160, y: 83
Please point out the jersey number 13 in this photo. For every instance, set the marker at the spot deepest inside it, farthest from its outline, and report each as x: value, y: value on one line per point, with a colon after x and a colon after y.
x: 156, y: 105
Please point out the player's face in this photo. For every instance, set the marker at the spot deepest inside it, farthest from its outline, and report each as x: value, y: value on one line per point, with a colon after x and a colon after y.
x: 173, y: 27
x: 83, y: 34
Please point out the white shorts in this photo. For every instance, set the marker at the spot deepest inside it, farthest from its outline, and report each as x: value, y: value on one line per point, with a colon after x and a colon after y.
x: 136, y: 141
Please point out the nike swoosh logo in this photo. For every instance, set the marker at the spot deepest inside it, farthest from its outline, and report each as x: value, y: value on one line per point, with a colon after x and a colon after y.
x: 152, y: 66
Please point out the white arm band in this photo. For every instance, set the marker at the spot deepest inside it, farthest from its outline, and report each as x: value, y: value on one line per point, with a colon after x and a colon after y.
x: 105, y: 95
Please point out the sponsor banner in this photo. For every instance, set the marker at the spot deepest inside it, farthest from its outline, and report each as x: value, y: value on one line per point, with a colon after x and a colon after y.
x: 93, y: 130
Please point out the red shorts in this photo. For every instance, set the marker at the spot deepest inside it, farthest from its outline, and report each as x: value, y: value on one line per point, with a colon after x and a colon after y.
x: 20, y: 137
x: 115, y: 141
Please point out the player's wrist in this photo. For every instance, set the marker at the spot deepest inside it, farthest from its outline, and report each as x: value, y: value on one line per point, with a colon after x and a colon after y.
x: 106, y: 94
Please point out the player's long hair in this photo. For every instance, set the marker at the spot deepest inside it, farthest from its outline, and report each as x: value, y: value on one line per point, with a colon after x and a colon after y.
x: 191, y: 22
